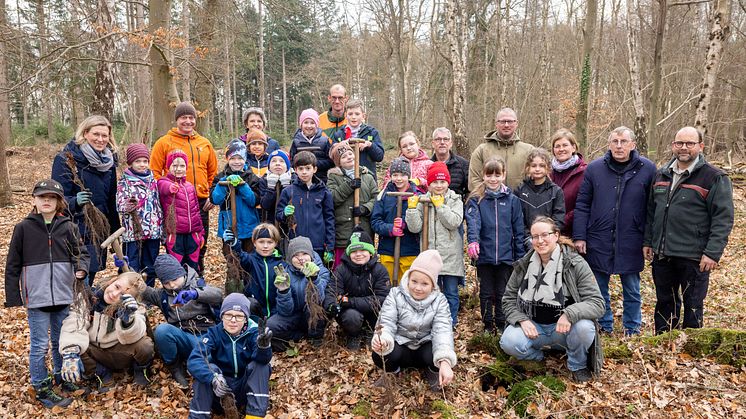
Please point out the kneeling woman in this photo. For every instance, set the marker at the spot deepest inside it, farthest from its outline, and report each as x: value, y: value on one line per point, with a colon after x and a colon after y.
x: 415, y: 322
x: 108, y: 334
x: 551, y: 300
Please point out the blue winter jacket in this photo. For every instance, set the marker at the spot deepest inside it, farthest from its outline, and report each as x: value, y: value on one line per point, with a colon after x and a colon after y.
x: 324, y: 144
x: 293, y: 301
x: 268, y: 199
x: 382, y: 222
x: 371, y: 155
x: 496, y: 223
x: 261, y: 281
x: 314, y: 213
x: 246, y: 214
x: 611, y: 211
x: 230, y: 354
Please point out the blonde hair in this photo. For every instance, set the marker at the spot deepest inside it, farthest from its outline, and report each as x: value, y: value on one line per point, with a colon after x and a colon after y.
x: 135, y: 283
x: 550, y: 222
x: 94, y: 121
x: 540, y: 153
x: 274, y: 233
x: 495, y: 165
x: 355, y: 104
x: 567, y: 135
x: 407, y: 134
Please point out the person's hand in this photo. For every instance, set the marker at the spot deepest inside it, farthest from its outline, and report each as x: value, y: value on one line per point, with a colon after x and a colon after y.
x: 229, y: 237
x: 360, y: 212
x: 356, y: 183
x: 706, y: 264
x: 83, y: 197
x: 208, y: 206
x: 289, y: 210
x: 378, y: 345
x: 264, y: 339
x: 473, y: 250
x: 119, y: 263
x: 363, y: 145
x: 128, y: 308
x: 529, y: 329
x: 234, y: 180
x: 412, y: 201
x: 437, y: 200
x: 282, y: 279
x: 328, y: 256
x: 397, y: 231
x: 72, y: 367
x: 285, y: 178
x: 647, y: 251
x: 185, y: 296
x: 173, y: 188
x: 580, y: 246
x: 272, y: 179
x: 563, y: 324
x: 333, y: 310
x: 310, y: 269
x: 81, y: 274
x: 219, y: 386
x: 445, y: 373
x: 344, y: 302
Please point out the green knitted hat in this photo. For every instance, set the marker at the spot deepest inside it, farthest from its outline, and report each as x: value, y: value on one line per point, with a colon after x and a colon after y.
x: 360, y: 240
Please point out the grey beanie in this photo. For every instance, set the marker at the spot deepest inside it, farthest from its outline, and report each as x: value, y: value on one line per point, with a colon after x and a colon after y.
x: 258, y: 111
x: 184, y: 108
x: 297, y: 245
x: 167, y: 268
x: 236, y: 301
x: 400, y: 165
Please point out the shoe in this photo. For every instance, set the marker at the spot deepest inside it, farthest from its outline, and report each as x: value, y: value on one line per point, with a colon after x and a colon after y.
x: 179, y: 374
x: 102, y: 380
x: 46, y: 395
x: 433, y: 379
x: 317, y: 342
x: 582, y: 376
x: 141, y: 375
x: 69, y: 388
x: 353, y: 343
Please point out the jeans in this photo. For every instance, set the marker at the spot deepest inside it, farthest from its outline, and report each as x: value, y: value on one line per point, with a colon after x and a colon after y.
x: 43, y: 326
x: 576, y: 342
x: 141, y: 255
x: 173, y: 343
x: 448, y: 285
x: 632, y: 316
x: 678, y: 279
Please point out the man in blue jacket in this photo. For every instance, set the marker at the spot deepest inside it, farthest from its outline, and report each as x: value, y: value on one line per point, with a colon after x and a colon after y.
x: 610, y: 216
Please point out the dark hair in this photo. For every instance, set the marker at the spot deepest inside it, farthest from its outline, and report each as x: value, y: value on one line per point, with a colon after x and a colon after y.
x: 304, y: 158
x: 495, y: 165
x: 546, y: 220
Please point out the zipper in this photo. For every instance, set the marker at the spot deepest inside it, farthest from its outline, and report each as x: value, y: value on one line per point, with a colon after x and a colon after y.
x: 235, y: 360
x: 266, y: 285
x: 191, y: 151
x: 189, y: 208
x: 51, y: 261
x: 616, y: 211
x: 497, y: 235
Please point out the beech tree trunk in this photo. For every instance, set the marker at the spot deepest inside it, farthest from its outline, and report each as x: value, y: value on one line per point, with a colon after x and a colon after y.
x: 41, y: 26
x: 657, y: 78
x: 262, y: 88
x: 186, y: 90
x: 581, y: 120
x: 456, y: 37
x: 165, y: 95
x: 103, y: 90
x: 6, y: 195
x: 634, y: 73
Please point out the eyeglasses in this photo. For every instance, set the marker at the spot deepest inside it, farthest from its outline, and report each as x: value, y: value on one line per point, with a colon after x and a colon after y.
x: 337, y: 98
x: 681, y: 144
x: 506, y: 121
x: 542, y: 236
x: 622, y: 142
x: 441, y: 140
x: 240, y: 318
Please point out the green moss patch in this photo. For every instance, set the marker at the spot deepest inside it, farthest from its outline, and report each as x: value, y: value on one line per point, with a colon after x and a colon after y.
x: 489, y: 343
x: 524, y: 393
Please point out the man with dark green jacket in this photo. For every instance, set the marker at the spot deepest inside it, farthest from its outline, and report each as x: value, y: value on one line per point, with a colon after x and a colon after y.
x: 690, y: 215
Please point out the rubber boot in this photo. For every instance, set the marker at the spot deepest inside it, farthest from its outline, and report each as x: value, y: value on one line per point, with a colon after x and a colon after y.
x: 179, y: 374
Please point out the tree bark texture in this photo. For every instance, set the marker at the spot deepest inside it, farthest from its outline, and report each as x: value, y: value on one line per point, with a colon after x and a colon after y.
x: 6, y: 195
x: 456, y: 37
x: 657, y: 70
x: 634, y: 73
x: 103, y: 90
x: 581, y: 120
x: 164, y: 91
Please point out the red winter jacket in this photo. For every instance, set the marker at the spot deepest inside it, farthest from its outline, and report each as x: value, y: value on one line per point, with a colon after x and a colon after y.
x: 570, y: 181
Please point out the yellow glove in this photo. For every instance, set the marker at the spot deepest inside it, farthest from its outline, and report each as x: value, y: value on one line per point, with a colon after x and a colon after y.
x: 413, y: 201
x: 416, y: 181
x: 437, y: 200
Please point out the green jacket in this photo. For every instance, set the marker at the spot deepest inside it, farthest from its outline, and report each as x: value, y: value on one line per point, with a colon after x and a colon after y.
x: 514, y: 153
x: 342, y: 193
x: 695, y: 218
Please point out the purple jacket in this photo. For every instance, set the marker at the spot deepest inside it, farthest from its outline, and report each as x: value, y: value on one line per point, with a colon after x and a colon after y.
x: 185, y: 205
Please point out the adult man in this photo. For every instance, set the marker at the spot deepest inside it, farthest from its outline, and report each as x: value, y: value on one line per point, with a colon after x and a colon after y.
x: 503, y: 142
x: 458, y: 167
x: 331, y: 120
x: 690, y: 215
x: 201, y: 167
x: 610, y: 220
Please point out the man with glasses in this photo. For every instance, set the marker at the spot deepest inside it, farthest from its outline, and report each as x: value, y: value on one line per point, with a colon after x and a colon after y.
x: 609, y: 222
x: 690, y: 215
x: 331, y: 120
x: 504, y: 143
x: 458, y: 167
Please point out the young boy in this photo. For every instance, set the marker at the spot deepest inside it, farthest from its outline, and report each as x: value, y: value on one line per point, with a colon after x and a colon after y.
x: 342, y: 185
x: 278, y: 177
x: 307, y: 207
x: 388, y: 226
x: 355, y: 295
x: 371, y: 151
x: 233, y: 357
x: 258, y: 158
x: 309, y: 136
x: 187, y: 305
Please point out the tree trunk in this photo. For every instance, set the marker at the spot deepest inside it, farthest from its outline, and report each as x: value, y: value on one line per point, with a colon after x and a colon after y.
x: 227, y: 105
x: 41, y: 25
x: 186, y: 90
x: 164, y: 92
x: 657, y: 69
x: 284, y: 95
x: 6, y: 195
x: 581, y: 120
x: 103, y: 90
x: 634, y: 74
x: 262, y: 87
x: 204, y: 90
x: 456, y: 37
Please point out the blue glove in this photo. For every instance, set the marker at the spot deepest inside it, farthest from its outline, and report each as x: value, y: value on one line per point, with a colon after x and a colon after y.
x: 72, y: 366
x: 229, y: 237
x: 119, y: 263
x: 185, y: 296
x: 128, y: 308
x: 289, y: 210
x: 83, y: 197
x: 235, y: 180
x: 328, y: 256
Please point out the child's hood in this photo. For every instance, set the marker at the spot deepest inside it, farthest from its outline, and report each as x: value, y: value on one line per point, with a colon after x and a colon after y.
x: 418, y: 305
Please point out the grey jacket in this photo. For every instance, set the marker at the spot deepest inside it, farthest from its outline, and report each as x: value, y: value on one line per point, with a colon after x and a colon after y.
x: 411, y: 323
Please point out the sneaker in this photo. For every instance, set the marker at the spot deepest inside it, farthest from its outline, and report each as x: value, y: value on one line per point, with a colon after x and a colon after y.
x: 353, y: 343
x: 582, y: 376
x: 433, y: 379
x: 46, y: 396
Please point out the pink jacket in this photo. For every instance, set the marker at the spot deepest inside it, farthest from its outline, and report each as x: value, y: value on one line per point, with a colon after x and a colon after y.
x: 419, y: 167
x: 184, y: 202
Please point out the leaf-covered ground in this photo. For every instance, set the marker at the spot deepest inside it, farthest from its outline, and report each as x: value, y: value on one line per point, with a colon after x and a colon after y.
x: 333, y: 382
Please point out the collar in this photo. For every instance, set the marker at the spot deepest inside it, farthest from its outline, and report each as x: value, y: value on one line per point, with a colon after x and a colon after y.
x: 675, y: 167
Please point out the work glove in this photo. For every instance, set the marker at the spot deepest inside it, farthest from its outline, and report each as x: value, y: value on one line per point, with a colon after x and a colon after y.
x: 119, y: 263
x: 234, y: 180
x: 356, y: 183
x: 473, y: 250
x: 173, y: 188
x: 412, y: 201
x: 272, y: 179
x: 416, y: 181
x: 185, y: 296
x: 220, y: 387
x: 310, y: 269
x: 398, y: 230
x: 285, y: 178
x: 128, y: 308
x: 360, y: 212
x: 328, y: 256
x: 229, y: 237
x: 264, y: 339
x: 282, y: 279
x: 437, y: 200
x: 72, y: 366
x: 333, y: 310
x: 83, y: 197
x: 289, y: 210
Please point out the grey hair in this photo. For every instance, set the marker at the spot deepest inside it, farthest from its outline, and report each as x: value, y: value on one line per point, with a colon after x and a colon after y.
x: 444, y: 130
x: 506, y: 110
x: 621, y: 130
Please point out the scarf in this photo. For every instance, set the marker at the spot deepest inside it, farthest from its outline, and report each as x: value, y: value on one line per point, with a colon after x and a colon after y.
x: 100, y: 161
x: 542, y: 285
x: 561, y: 167
x: 350, y: 173
x: 145, y: 176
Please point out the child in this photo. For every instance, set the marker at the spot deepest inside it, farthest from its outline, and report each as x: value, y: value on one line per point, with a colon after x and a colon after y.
x: 342, y: 185
x: 43, y: 278
x: 445, y: 216
x: 277, y: 178
x: 416, y: 325
x: 371, y: 151
x: 183, y: 225
x: 540, y: 196
x: 495, y: 232
x: 186, y: 302
x: 220, y: 369
x: 258, y: 157
x: 295, y: 319
x: 142, y: 216
x: 310, y: 136
x: 310, y: 204
x: 388, y: 226
x: 355, y: 295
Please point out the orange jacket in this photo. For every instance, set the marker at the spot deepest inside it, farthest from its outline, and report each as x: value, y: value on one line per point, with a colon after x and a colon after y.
x: 203, y: 163
x: 329, y: 124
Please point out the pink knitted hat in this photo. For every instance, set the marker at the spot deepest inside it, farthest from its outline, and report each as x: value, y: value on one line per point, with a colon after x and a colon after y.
x: 308, y: 114
x: 174, y: 154
x: 429, y: 263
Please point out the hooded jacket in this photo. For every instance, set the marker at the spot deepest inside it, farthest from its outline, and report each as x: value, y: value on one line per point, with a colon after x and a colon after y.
x: 145, y: 191
x: 314, y: 212
x: 366, y: 286
x: 458, y: 168
x: 343, y: 195
x: 371, y: 155
x: 330, y: 124
x: 570, y: 181
x: 268, y: 199
x: 258, y: 165
x: 184, y: 202
x: 246, y: 215
x: 382, y: 222
x: 323, y: 145
x: 418, y: 166
x: 203, y: 163
x: 546, y: 199
x: 496, y: 223
x: 261, y: 282
x: 293, y: 300
x: 513, y: 151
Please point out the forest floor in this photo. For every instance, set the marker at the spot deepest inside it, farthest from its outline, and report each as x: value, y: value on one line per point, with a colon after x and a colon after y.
x: 652, y: 381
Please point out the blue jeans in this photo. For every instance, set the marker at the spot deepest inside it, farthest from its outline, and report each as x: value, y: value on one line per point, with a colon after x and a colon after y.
x: 42, y: 326
x: 632, y: 316
x: 173, y: 343
x: 141, y: 255
x: 448, y: 285
x: 576, y: 342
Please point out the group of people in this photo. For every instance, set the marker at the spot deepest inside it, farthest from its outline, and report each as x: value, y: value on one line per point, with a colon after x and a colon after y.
x: 544, y: 229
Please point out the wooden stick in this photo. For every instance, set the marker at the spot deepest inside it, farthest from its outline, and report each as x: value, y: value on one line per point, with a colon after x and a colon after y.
x: 115, y: 242
x: 397, y: 241
x: 356, y: 194
x: 425, y: 237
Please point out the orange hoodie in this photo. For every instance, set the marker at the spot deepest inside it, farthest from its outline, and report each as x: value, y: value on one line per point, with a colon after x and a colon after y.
x: 203, y: 162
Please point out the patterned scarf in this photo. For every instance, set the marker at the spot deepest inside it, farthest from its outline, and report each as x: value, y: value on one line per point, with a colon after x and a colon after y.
x: 542, y: 285
x: 100, y: 161
x: 561, y: 167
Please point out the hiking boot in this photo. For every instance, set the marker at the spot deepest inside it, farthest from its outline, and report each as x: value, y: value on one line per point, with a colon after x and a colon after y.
x: 433, y: 379
x: 102, y: 380
x: 141, y: 375
x: 353, y: 343
x: 46, y: 395
x: 69, y: 388
x: 179, y: 374
x: 582, y: 376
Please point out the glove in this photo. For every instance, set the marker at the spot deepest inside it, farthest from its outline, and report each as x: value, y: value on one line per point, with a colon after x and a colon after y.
x: 234, y: 180
x: 398, y: 230
x: 229, y: 237
x: 128, y: 308
x: 289, y: 210
x: 310, y: 269
x: 356, y: 183
x: 185, y: 296
x: 72, y: 366
x: 119, y: 263
x: 413, y: 201
x: 285, y: 178
x: 334, y: 310
x: 282, y: 280
x: 473, y: 250
x: 264, y: 339
x: 173, y: 188
x: 83, y: 197
x: 344, y: 302
x: 360, y: 212
x: 272, y: 180
x: 437, y: 200
x: 220, y: 387
x: 416, y: 181
x: 328, y: 256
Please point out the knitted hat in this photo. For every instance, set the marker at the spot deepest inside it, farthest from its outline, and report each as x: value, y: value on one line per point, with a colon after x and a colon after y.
x: 167, y: 268
x: 400, y: 165
x: 298, y: 245
x: 360, y: 240
x: 235, y: 148
x: 308, y: 114
x: 281, y: 154
x: 254, y: 136
x: 438, y: 171
x: 173, y: 154
x: 184, y: 108
x: 429, y: 263
x: 136, y: 151
x: 236, y: 301
x: 257, y: 111
x: 338, y: 150
x: 48, y: 186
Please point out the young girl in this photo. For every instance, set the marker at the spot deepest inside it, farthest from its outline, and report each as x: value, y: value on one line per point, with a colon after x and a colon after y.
x: 309, y: 135
x: 495, y: 232
x: 142, y: 216
x: 540, y: 196
x: 409, y: 149
x: 445, y: 217
x: 258, y: 159
x: 415, y: 325
x: 277, y: 178
x: 43, y: 279
x: 183, y: 225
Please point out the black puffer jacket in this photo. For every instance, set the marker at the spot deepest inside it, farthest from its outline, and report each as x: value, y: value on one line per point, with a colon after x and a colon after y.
x: 366, y: 286
x: 546, y: 199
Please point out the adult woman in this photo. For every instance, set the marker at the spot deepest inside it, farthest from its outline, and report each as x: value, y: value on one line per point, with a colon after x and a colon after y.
x: 93, y: 154
x: 568, y: 168
x: 254, y: 118
x: 419, y: 162
x: 551, y: 300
